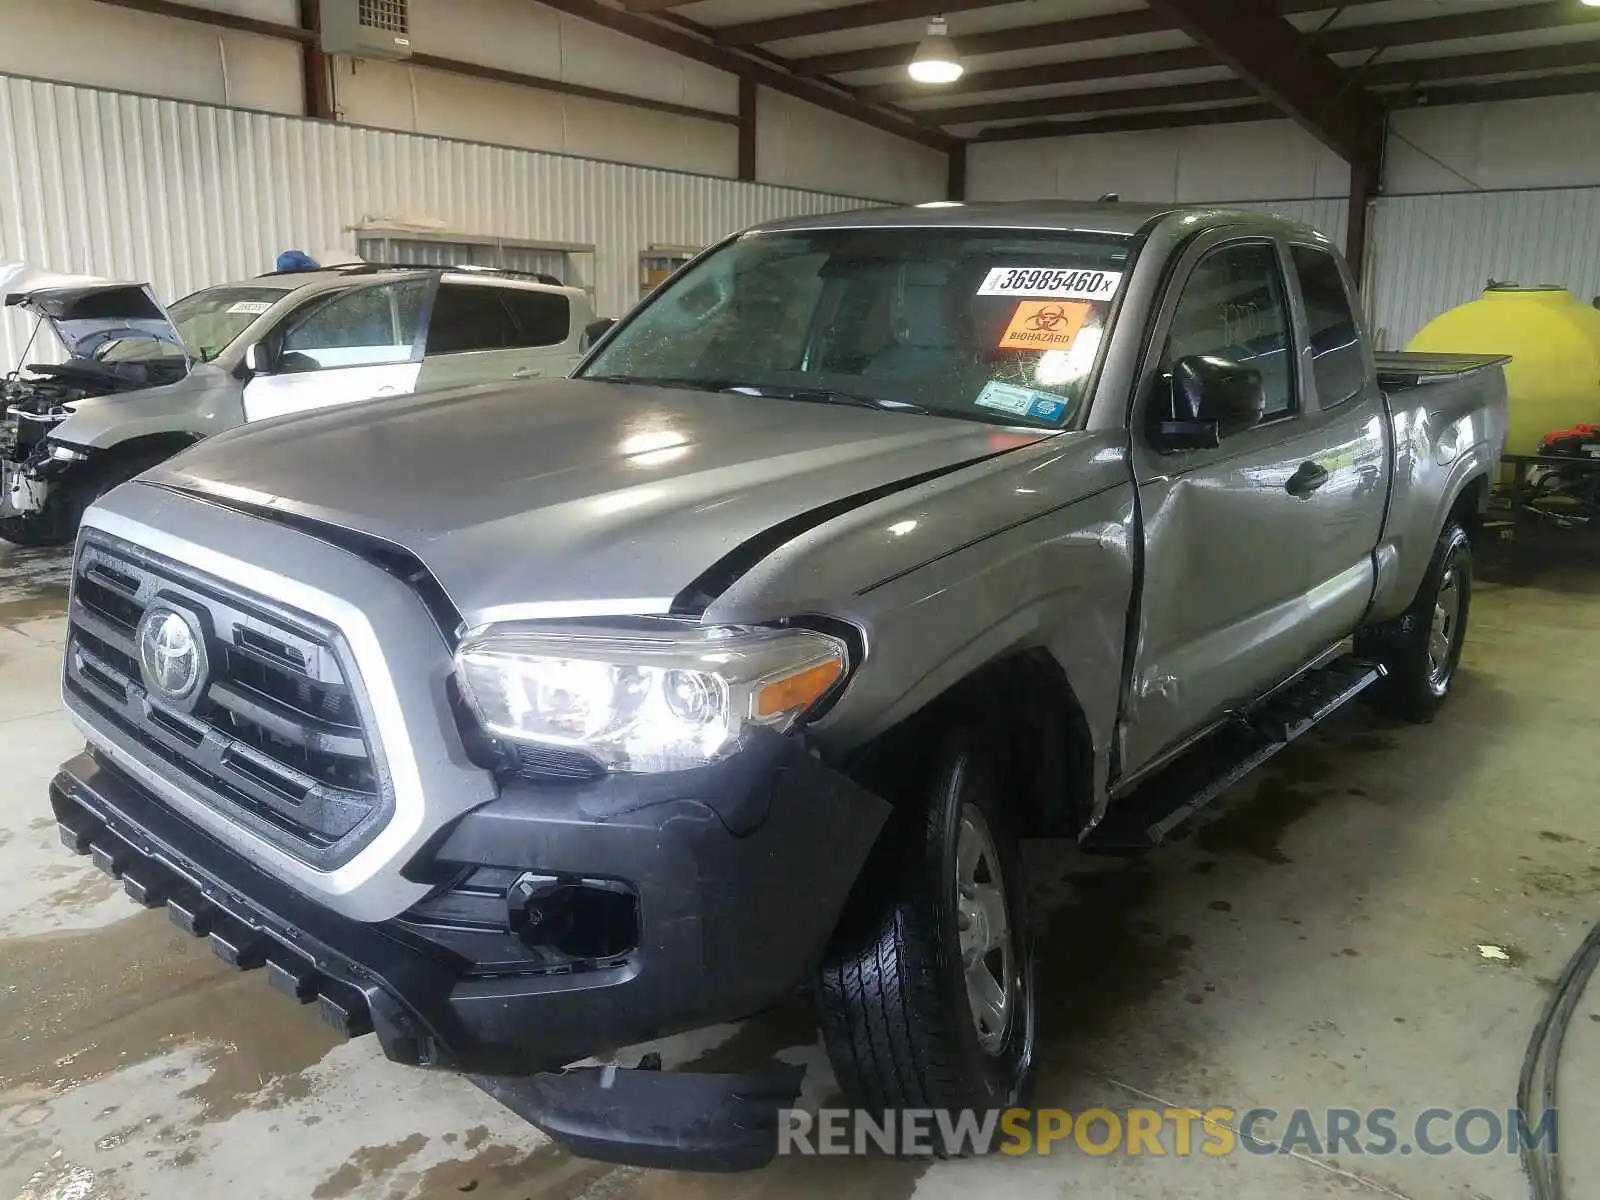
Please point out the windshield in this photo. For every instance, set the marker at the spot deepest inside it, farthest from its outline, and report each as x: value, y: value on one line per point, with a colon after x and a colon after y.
x: 207, y: 322
x: 1000, y: 326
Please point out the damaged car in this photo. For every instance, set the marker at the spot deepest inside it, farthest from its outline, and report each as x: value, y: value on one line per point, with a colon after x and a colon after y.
x: 119, y: 340
x: 738, y: 667
x: 142, y: 382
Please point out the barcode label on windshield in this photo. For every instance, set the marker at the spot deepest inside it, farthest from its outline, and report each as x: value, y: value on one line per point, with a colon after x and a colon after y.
x: 1051, y: 284
x: 248, y: 308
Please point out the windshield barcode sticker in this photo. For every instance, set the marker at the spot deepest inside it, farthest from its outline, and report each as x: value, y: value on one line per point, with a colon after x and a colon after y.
x: 1049, y: 284
x: 248, y: 308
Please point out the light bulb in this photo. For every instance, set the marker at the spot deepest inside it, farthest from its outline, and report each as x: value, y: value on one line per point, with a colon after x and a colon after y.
x: 936, y: 60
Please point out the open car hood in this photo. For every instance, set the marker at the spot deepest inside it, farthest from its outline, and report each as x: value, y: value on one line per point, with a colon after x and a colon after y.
x: 87, y: 312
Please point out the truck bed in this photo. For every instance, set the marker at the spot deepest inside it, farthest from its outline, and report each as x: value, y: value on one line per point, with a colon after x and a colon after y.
x: 1401, y: 369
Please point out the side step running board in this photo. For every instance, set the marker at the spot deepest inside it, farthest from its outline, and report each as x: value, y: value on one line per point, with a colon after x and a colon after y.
x: 1147, y: 815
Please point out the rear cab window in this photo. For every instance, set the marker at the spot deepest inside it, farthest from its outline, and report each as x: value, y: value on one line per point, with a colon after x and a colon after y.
x: 1338, y: 366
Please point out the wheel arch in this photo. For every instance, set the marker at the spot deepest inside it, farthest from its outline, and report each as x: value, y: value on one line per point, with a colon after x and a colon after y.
x: 149, y: 445
x: 1470, y: 504
x: 1414, y: 527
x: 1031, y: 725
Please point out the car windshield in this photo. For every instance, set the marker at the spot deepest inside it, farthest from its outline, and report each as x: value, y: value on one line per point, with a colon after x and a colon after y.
x: 207, y: 321
x: 1000, y: 326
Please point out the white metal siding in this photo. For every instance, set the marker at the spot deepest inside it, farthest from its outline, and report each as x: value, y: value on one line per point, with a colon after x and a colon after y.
x: 1200, y: 165
x: 1431, y: 253
x: 1328, y: 214
x: 186, y: 195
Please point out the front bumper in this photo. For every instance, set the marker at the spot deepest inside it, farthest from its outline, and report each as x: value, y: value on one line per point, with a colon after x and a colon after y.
x: 739, y: 876
x: 27, y: 472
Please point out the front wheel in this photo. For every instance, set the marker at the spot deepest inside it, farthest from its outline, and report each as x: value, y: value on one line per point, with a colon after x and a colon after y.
x: 927, y: 997
x: 1421, y: 648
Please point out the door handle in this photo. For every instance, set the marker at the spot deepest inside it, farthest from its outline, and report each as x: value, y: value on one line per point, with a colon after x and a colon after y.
x: 1307, y: 479
x: 526, y: 373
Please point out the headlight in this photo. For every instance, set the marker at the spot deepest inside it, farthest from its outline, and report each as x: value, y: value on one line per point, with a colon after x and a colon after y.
x: 64, y: 453
x: 648, y: 699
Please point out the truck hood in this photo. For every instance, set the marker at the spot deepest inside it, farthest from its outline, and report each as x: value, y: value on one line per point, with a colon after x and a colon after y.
x: 577, y: 497
x: 86, y: 312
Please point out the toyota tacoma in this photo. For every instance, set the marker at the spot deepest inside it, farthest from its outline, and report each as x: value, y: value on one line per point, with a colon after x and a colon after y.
x: 736, y: 667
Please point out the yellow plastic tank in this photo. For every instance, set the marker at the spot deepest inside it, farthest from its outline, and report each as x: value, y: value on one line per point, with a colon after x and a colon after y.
x: 1553, y: 378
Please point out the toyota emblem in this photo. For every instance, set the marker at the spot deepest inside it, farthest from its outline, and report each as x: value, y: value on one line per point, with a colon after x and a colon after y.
x: 172, y: 655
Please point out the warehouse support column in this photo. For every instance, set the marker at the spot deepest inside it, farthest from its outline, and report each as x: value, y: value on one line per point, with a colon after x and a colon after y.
x: 747, y: 129
x: 314, y: 64
x: 1363, y: 190
x: 956, y: 180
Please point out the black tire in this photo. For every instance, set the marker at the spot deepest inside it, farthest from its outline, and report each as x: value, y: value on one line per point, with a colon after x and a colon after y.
x: 896, y: 1017
x: 1419, y: 678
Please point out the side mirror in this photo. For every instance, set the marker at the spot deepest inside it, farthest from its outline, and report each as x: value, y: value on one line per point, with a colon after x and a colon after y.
x: 595, y: 330
x: 254, y: 361
x: 1208, y: 398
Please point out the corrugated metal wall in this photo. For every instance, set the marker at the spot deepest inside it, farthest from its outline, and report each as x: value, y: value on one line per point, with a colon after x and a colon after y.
x: 1431, y: 253
x: 186, y: 195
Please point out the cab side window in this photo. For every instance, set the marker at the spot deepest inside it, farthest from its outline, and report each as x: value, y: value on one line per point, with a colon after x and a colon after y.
x: 543, y: 318
x: 470, y: 317
x: 1234, y: 307
x: 1336, y: 361
x: 364, y: 327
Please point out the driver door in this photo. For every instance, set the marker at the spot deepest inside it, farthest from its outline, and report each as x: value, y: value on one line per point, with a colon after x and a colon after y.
x: 1228, y: 550
x: 356, y: 345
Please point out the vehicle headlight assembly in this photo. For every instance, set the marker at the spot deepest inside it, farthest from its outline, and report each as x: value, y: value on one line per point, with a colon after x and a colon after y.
x: 648, y: 699
x: 61, y: 452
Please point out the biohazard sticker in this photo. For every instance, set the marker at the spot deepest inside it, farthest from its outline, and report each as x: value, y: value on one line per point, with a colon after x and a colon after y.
x: 1054, y: 284
x: 1044, y: 325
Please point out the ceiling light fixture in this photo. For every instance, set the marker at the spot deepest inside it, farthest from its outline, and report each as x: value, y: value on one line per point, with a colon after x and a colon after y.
x: 936, y: 60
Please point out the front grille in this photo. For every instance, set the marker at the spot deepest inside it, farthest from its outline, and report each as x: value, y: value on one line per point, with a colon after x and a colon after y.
x: 276, y: 737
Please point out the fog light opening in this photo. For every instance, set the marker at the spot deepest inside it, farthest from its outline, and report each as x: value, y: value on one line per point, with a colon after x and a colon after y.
x: 582, y: 918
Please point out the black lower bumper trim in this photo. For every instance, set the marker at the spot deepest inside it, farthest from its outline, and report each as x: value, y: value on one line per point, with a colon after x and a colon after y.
x: 240, y: 933
x: 678, y: 1121
x: 733, y: 917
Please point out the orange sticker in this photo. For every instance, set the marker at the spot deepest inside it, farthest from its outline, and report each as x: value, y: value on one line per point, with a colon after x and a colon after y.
x: 1044, y: 325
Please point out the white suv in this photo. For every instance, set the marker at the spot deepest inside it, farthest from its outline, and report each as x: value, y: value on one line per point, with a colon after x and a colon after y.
x: 142, y: 383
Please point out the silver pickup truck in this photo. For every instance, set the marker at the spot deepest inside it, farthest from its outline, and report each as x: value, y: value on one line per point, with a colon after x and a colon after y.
x: 868, y: 545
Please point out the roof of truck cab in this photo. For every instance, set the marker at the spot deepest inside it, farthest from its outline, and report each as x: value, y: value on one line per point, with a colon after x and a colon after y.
x: 1113, y: 217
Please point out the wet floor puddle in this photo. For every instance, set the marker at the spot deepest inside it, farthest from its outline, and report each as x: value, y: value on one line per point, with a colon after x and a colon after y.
x: 33, y: 583
x: 134, y: 991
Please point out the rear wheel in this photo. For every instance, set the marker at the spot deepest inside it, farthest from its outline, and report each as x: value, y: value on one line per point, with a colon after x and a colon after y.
x: 927, y: 995
x: 1421, y: 648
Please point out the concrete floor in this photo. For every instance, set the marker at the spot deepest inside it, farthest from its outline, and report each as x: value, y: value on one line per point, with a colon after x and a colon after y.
x: 1313, y: 943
